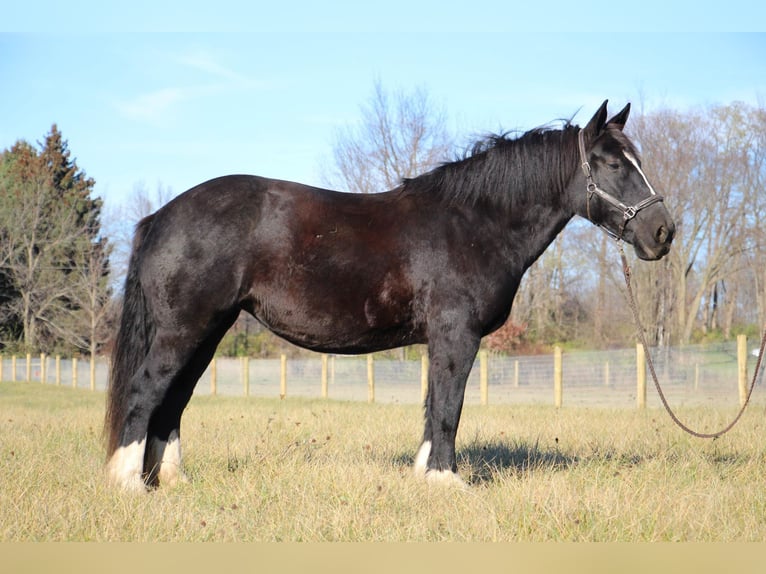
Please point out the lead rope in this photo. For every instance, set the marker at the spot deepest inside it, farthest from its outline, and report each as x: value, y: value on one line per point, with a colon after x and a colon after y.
x: 634, y: 310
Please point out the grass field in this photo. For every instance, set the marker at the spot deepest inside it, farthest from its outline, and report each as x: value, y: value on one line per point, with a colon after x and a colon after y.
x: 313, y: 470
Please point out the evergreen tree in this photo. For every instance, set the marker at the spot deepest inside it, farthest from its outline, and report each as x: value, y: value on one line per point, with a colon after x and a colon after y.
x: 50, y: 233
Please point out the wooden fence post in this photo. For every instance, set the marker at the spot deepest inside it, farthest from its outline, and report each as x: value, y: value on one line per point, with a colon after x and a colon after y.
x: 640, y: 376
x: 43, y: 365
x: 516, y: 373
x: 324, y: 376
x: 246, y: 375
x: 370, y: 379
x: 1, y: 367
x: 58, y: 370
x: 13, y: 368
x: 696, y: 377
x: 213, y: 377
x: 483, y: 378
x: 558, y: 377
x: 606, y: 374
x: 74, y: 372
x: 423, y: 376
x: 742, y: 368
x: 283, y: 377
x: 29, y: 367
x: 92, y: 373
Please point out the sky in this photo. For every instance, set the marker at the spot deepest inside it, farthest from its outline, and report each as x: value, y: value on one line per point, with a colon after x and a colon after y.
x: 173, y: 98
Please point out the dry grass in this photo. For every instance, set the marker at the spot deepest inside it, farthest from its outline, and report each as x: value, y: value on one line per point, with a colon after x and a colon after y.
x: 265, y: 470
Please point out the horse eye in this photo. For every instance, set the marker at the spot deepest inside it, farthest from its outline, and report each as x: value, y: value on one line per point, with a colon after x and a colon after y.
x: 613, y: 165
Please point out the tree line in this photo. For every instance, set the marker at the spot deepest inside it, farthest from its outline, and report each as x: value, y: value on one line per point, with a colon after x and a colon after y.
x: 58, y: 263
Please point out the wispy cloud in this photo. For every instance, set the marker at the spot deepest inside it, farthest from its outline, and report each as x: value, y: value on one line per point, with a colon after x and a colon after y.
x: 201, y: 60
x: 151, y: 106
x: 195, y: 74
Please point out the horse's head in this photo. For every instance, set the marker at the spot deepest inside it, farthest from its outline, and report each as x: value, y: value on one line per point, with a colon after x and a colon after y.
x: 616, y: 194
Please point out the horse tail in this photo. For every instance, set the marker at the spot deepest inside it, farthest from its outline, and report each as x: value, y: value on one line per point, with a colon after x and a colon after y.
x: 134, y: 337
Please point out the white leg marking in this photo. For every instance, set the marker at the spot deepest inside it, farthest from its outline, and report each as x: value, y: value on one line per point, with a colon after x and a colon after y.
x: 421, y: 459
x: 126, y: 466
x: 170, y: 467
x: 164, y: 458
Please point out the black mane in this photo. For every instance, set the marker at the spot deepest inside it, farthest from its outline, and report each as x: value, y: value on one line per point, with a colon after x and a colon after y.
x: 505, y: 171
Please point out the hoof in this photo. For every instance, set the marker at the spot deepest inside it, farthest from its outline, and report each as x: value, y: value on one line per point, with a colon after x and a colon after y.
x: 171, y: 476
x: 446, y: 478
x: 440, y: 477
x: 133, y: 484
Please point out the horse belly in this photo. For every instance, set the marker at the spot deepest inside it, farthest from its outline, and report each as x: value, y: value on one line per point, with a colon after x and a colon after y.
x: 340, y: 314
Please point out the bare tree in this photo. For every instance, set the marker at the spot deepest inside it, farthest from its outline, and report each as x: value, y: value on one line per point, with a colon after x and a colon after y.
x: 700, y: 160
x: 88, y: 324
x: 398, y: 137
x: 593, y: 266
x: 555, y: 298
x: 748, y: 295
x: 30, y: 259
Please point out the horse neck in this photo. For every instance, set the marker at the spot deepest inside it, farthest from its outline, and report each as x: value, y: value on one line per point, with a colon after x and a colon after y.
x: 541, y: 199
x: 531, y: 224
x: 520, y: 190
x: 532, y: 230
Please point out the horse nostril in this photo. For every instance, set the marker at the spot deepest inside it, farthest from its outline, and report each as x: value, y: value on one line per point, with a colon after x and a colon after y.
x: 665, y: 233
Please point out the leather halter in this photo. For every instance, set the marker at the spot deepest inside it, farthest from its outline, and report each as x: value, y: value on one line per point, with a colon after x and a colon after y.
x: 628, y: 211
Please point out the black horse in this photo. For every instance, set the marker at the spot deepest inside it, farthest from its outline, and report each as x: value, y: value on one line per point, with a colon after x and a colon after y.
x: 437, y: 260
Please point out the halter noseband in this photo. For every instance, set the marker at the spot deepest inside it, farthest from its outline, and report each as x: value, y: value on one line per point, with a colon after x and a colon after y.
x: 628, y: 212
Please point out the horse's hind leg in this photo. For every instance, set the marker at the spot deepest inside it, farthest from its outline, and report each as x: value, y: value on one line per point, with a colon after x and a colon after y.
x: 162, y: 461
x: 148, y: 388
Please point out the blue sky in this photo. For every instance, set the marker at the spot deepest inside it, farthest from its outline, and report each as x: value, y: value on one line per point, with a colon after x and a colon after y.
x: 180, y: 108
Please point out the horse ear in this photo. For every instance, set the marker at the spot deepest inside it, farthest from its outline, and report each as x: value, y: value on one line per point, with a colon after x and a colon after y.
x: 620, y: 119
x: 598, y: 121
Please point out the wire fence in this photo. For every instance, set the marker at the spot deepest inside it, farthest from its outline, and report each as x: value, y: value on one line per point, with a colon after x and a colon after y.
x: 690, y: 375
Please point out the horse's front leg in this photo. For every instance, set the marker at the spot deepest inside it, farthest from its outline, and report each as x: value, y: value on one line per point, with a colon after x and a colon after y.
x: 451, y: 357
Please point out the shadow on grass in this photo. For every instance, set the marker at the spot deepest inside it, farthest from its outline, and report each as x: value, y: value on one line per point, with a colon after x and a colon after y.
x: 483, y: 463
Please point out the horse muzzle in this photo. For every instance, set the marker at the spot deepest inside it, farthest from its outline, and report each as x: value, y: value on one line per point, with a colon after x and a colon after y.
x: 653, y: 242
